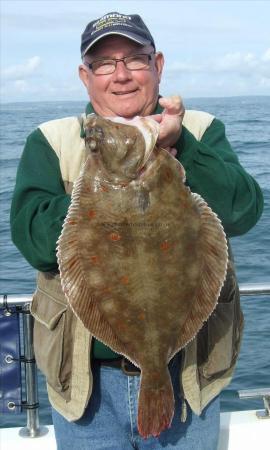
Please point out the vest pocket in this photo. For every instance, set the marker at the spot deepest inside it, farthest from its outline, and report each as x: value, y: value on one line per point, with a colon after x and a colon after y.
x: 219, y: 339
x: 52, y: 338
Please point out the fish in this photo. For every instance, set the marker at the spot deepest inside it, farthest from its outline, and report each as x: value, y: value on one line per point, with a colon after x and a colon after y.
x: 142, y: 259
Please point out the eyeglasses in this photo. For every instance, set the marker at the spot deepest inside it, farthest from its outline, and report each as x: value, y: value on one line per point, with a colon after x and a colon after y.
x: 108, y: 66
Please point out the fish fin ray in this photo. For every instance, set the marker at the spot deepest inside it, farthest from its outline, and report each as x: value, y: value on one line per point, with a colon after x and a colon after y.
x: 214, y: 269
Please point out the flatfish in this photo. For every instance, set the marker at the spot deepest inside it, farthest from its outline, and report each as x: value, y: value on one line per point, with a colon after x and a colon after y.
x: 142, y: 259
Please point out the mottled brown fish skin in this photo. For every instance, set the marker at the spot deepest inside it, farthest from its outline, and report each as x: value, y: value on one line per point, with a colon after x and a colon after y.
x: 142, y: 260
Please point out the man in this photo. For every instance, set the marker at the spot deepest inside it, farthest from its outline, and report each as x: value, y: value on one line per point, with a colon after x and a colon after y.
x: 95, y: 407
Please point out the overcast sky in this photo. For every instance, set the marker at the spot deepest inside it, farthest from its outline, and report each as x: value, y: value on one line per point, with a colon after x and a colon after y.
x: 212, y: 48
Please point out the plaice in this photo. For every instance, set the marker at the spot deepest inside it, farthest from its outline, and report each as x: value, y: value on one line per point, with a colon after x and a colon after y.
x: 142, y: 259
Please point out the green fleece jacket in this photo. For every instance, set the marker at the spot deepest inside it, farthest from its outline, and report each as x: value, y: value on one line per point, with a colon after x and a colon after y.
x: 40, y: 203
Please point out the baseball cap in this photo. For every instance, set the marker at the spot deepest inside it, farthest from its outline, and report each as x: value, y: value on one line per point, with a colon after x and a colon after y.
x: 130, y: 26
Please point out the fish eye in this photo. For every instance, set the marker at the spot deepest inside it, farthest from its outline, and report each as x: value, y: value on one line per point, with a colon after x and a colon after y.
x: 95, y: 132
x: 98, y: 132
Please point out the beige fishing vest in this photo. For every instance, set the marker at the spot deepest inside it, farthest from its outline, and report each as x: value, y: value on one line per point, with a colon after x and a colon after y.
x: 63, y: 345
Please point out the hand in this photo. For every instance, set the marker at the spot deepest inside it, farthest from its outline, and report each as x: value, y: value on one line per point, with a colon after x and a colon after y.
x: 170, y: 121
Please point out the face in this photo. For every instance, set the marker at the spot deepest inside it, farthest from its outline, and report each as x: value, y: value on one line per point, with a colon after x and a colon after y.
x: 123, y: 93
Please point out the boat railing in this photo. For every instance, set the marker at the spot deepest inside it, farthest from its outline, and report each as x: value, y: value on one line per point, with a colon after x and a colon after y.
x: 21, y: 305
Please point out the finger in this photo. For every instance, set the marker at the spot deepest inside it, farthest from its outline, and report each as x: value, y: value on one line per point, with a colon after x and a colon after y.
x: 173, y: 151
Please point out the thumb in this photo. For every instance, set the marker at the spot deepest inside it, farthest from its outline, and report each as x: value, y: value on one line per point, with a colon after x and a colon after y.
x: 172, y: 105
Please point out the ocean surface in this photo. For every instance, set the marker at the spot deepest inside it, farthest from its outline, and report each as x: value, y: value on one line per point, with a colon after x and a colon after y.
x: 247, y: 121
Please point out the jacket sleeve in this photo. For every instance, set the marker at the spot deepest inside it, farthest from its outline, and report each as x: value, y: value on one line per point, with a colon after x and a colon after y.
x: 39, y: 203
x: 214, y: 171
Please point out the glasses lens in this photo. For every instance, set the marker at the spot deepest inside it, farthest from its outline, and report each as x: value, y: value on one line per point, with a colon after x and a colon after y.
x: 103, y: 67
x: 137, y: 62
x: 107, y: 66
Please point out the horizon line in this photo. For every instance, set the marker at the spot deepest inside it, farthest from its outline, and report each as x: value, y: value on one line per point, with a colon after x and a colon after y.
x: 87, y: 100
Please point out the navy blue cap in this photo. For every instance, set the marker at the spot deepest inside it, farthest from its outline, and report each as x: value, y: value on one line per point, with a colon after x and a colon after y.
x: 130, y: 26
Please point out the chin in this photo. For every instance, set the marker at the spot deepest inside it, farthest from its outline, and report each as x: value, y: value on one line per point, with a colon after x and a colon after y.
x: 127, y: 112
x: 128, y: 107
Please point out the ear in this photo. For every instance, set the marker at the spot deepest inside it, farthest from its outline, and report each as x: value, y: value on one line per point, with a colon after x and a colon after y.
x: 84, y: 74
x: 159, y: 63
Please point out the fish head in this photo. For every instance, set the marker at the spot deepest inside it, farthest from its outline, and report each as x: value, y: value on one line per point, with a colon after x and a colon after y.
x: 122, y: 146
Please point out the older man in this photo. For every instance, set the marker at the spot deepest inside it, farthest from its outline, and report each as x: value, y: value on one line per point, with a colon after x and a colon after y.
x: 95, y: 405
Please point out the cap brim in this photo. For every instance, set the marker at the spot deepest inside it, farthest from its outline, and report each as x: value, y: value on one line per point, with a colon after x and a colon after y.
x: 130, y: 36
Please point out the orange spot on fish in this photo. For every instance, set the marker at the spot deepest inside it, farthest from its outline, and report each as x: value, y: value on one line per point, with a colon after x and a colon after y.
x: 184, y: 204
x: 115, y: 236
x: 124, y: 279
x: 192, y: 316
x: 94, y: 259
x: 91, y: 213
x: 141, y: 316
x: 72, y: 222
x: 122, y: 327
x: 168, y: 175
x: 165, y: 246
x: 106, y: 290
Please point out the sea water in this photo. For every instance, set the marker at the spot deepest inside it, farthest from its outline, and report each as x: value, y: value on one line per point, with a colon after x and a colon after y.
x: 247, y: 121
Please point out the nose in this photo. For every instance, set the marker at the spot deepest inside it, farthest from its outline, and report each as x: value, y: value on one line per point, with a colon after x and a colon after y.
x: 121, y: 73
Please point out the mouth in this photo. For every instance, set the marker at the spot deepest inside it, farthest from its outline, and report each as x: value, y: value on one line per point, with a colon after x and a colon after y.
x: 133, y: 91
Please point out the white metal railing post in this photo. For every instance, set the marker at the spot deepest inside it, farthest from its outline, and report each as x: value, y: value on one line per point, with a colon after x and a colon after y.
x: 32, y: 428
x: 262, y: 393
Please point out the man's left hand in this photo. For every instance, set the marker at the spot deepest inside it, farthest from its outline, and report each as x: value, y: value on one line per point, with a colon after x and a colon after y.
x: 170, y: 121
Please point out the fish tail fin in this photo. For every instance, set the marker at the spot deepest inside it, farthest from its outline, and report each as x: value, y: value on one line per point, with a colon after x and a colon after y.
x: 156, y: 407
